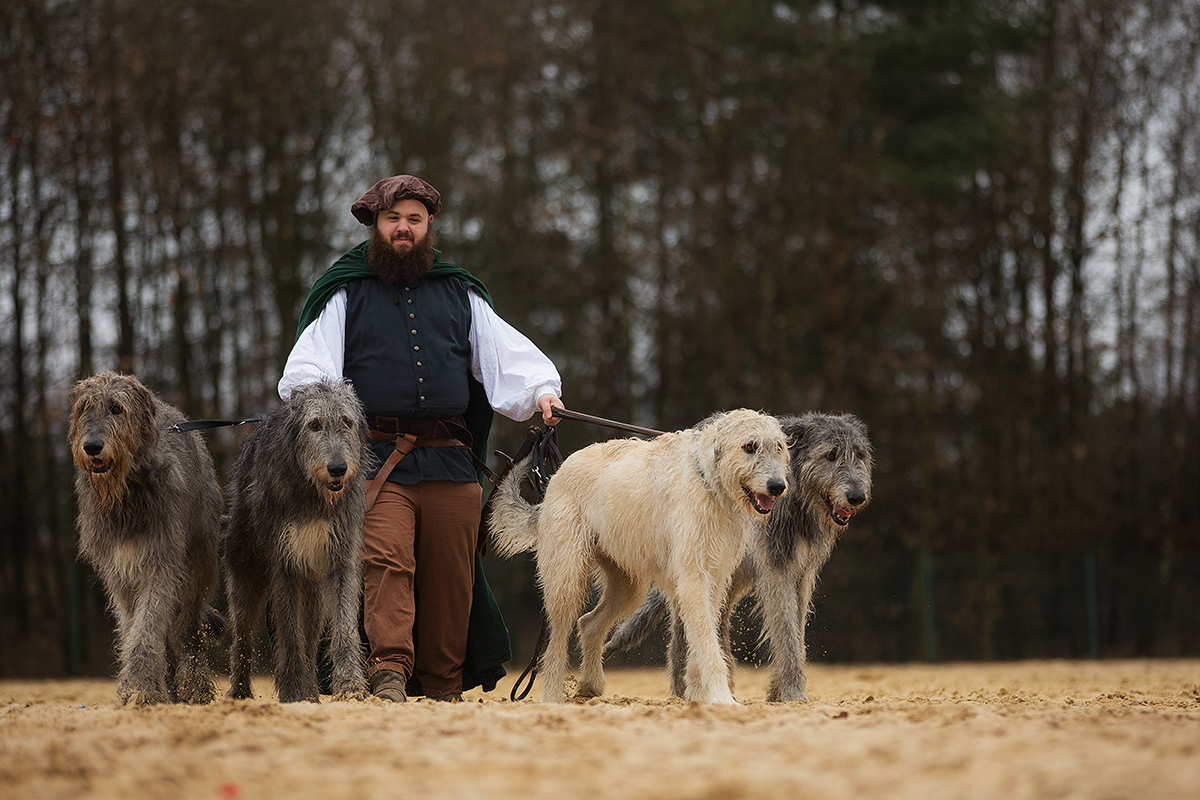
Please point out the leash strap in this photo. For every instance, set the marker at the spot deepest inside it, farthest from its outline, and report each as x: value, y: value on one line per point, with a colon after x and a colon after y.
x: 403, y: 444
x: 542, y: 447
x: 207, y: 424
x: 532, y: 668
x: 608, y: 423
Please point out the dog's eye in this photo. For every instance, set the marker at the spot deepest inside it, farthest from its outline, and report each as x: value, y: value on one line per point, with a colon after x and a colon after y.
x: 750, y: 447
x: 314, y: 425
x: 831, y: 455
x: 347, y: 423
x: 116, y: 410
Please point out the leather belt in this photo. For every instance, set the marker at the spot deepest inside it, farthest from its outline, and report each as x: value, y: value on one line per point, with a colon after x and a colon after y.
x: 406, y: 436
x: 424, y: 428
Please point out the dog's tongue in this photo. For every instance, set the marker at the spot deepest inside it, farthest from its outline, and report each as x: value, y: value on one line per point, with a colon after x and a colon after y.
x: 844, y: 512
x: 765, y: 501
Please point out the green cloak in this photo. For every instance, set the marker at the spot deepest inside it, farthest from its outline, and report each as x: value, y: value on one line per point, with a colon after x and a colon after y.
x: 488, y: 645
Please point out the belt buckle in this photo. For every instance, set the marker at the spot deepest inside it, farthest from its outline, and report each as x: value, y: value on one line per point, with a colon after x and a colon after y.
x: 387, y: 424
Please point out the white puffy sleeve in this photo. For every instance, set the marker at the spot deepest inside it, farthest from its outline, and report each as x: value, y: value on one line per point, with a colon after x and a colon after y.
x: 320, y: 351
x: 513, y: 371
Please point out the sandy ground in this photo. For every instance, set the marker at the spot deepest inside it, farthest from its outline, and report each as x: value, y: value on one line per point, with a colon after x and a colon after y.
x: 1127, y: 729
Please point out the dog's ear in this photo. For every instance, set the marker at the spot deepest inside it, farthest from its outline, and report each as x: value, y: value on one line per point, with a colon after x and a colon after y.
x: 799, y: 433
x: 142, y: 406
x: 74, y: 401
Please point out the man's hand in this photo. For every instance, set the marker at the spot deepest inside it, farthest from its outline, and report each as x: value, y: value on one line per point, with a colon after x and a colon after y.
x: 547, y: 402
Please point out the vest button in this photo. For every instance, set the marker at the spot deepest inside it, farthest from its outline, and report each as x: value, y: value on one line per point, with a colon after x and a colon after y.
x: 396, y: 302
x: 413, y: 331
x: 416, y: 347
x: 420, y: 380
x: 422, y: 398
x: 419, y: 364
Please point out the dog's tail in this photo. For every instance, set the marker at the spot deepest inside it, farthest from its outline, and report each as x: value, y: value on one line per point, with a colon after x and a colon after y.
x: 645, y: 620
x: 513, y: 521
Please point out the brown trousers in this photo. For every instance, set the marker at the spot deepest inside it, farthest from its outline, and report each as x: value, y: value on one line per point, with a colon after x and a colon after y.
x: 418, y: 569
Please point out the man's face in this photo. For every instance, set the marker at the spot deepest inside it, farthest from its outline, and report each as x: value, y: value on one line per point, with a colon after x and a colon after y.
x: 403, y: 225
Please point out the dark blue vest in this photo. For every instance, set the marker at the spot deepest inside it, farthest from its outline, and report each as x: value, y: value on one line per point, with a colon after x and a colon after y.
x: 408, y: 354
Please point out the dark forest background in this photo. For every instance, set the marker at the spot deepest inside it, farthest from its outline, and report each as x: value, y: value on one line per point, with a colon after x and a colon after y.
x: 973, y: 223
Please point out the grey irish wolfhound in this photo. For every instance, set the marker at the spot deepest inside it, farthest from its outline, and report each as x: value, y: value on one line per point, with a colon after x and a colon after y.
x: 832, y: 461
x: 149, y: 523
x: 676, y: 511
x: 294, y: 538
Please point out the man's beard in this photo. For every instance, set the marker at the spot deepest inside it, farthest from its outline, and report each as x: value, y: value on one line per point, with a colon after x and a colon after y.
x: 395, y: 268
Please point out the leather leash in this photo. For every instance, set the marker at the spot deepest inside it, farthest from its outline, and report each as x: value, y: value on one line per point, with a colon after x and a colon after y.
x: 542, y: 447
x: 543, y: 455
x: 207, y: 424
x: 608, y: 423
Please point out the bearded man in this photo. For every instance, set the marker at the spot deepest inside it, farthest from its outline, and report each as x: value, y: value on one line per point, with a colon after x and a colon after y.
x: 430, y: 360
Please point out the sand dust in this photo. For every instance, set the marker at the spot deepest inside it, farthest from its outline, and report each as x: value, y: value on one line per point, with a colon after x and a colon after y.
x: 1127, y: 729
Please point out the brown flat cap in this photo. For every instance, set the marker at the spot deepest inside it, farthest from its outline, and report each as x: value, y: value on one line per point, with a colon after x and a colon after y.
x: 387, y: 192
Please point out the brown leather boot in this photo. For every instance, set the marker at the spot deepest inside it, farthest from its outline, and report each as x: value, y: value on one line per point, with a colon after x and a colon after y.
x: 387, y: 684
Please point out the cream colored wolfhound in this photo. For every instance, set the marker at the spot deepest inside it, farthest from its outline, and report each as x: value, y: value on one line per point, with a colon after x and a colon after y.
x: 675, y: 511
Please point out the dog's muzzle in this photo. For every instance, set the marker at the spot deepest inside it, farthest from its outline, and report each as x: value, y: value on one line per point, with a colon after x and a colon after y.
x: 762, y: 503
x: 840, y: 514
x: 96, y: 465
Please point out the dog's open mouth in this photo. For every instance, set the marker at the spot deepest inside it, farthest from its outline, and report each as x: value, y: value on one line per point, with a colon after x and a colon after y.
x: 840, y: 514
x: 334, y: 486
x: 98, y: 466
x: 762, y: 503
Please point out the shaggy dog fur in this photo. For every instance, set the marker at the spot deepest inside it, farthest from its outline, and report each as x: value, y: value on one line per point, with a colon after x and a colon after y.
x: 295, y: 535
x: 149, y: 522
x: 832, y: 462
x: 676, y: 510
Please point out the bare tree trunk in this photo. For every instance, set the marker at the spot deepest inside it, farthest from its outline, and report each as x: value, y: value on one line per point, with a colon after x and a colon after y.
x: 116, y: 187
x: 19, y: 526
x: 1044, y: 226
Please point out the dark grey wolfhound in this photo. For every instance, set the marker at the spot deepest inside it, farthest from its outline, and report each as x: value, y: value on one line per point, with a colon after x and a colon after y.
x: 149, y: 522
x: 294, y: 539
x: 831, y: 462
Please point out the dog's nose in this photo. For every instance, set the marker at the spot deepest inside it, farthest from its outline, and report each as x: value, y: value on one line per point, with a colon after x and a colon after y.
x: 776, y: 488
x: 337, y: 470
x: 93, y: 448
x: 856, y: 498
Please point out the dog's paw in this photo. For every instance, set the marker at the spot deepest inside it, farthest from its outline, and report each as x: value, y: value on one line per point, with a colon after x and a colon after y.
x: 299, y: 697
x: 787, y: 691
x: 196, y: 692
x: 718, y: 697
x: 240, y: 692
x: 143, y: 697
x: 351, y: 691
x: 586, y: 690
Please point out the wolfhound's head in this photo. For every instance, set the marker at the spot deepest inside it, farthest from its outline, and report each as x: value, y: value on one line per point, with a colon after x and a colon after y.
x: 330, y: 431
x: 832, y: 460
x: 112, y: 424
x: 749, y: 457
